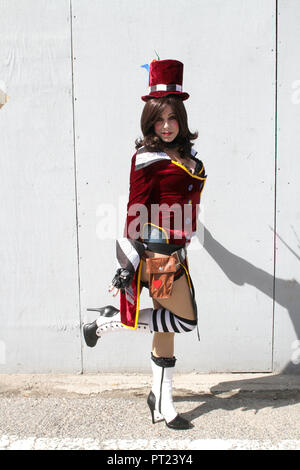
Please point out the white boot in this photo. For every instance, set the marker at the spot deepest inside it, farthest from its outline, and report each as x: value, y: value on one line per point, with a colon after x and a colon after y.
x: 160, y: 399
x: 113, y: 324
x: 109, y: 321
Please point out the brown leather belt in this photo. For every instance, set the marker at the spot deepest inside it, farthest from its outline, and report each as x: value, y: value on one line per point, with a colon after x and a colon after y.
x: 167, y: 249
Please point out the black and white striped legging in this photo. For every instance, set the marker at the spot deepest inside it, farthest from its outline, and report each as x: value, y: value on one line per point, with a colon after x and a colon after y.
x: 163, y: 320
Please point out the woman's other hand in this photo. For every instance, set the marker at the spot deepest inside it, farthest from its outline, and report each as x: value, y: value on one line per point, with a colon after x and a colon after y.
x: 121, y: 280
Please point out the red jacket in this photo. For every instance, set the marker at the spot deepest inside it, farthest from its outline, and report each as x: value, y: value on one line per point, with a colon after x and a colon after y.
x: 165, y: 194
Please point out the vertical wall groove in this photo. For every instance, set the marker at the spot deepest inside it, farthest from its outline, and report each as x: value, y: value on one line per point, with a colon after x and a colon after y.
x: 75, y: 183
x: 275, y: 176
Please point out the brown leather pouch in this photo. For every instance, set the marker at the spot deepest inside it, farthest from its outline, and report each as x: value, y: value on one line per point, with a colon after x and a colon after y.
x: 161, y: 272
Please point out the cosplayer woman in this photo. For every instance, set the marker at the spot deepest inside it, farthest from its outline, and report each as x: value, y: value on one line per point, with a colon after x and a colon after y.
x: 166, y: 181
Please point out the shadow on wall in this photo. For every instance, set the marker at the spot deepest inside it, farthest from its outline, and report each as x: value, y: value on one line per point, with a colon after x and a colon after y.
x: 239, y: 271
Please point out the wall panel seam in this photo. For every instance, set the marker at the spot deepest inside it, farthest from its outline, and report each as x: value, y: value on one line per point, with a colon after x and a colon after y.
x: 275, y: 178
x: 75, y: 184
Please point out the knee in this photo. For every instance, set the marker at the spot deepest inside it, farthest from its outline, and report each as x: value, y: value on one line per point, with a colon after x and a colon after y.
x: 185, y: 325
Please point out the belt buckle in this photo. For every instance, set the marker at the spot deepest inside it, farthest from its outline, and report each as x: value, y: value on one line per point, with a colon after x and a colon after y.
x: 175, y: 253
x: 181, y: 254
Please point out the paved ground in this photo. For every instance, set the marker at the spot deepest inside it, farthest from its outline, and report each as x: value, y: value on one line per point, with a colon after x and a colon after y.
x: 109, y: 411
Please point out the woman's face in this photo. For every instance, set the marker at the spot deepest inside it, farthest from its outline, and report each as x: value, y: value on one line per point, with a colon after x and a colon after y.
x: 166, y: 126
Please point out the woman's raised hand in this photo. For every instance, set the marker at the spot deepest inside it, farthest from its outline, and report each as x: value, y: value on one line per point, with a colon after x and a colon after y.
x: 121, y: 280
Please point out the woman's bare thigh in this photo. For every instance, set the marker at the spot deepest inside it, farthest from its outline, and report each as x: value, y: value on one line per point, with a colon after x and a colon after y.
x: 180, y: 301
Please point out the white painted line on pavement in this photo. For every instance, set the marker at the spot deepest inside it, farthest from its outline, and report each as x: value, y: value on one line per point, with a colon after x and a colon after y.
x: 12, y: 442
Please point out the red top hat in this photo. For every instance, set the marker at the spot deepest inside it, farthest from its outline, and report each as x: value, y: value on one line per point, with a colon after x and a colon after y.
x: 165, y: 79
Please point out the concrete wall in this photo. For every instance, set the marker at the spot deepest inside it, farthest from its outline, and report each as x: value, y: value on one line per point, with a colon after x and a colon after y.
x: 287, y: 242
x: 72, y: 71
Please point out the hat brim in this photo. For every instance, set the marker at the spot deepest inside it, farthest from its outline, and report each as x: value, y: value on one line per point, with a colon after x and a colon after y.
x: 160, y: 94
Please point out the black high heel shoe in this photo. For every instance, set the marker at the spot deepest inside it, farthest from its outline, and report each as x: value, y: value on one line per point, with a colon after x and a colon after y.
x: 151, y: 403
x: 178, y: 422
x: 89, y: 329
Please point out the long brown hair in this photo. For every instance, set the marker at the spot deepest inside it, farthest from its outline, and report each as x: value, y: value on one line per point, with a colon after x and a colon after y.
x: 151, y: 112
